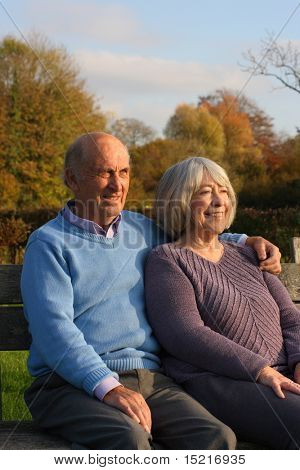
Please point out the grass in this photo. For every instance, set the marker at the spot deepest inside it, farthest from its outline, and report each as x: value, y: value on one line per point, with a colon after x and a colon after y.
x: 14, y: 380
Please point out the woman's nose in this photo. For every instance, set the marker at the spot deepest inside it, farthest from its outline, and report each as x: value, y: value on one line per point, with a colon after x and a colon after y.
x: 217, y: 199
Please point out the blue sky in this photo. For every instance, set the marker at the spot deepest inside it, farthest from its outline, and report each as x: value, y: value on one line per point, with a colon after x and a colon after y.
x: 142, y: 58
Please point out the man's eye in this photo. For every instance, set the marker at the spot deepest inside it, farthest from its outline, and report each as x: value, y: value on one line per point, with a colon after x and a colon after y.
x: 124, y: 172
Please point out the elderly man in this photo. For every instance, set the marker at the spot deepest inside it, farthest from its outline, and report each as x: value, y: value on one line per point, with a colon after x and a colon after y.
x: 99, y: 381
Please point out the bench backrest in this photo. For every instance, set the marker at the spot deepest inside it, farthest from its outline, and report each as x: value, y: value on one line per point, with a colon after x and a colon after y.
x: 14, y: 334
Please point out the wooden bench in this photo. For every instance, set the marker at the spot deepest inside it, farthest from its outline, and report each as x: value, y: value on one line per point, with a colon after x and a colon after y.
x: 14, y: 336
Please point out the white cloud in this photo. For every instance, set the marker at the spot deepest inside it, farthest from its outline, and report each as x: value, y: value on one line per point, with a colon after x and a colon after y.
x: 149, y: 88
x: 108, y: 22
x: 150, y: 74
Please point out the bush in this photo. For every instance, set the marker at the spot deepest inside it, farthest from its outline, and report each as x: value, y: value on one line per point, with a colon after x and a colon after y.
x: 277, y: 195
x: 276, y: 225
x: 15, y: 228
x: 13, y: 234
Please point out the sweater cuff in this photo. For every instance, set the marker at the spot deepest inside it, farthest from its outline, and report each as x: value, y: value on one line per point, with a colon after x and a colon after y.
x: 242, y: 239
x: 239, y: 238
x: 95, y: 377
x: 262, y: 364
x: 105, y: 386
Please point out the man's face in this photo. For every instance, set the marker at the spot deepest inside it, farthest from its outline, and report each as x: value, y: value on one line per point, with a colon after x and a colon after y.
x: 104, y: 182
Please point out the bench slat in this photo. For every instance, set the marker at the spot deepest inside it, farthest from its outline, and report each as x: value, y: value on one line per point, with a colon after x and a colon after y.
x: 10, y: 275
x: 25, y: 435
x: 14, y: 334
x: 10, y: 282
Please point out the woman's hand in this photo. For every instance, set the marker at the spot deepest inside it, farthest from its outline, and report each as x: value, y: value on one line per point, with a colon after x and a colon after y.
x: 278, y: 382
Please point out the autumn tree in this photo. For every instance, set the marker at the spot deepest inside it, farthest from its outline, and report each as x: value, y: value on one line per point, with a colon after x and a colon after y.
x: 236, y: 124
x: 242, y: 156
x: 149, y: 162
x: 263, y: 166
x: 232, y: 130
x: 132, y: 132
x: 264, y: 135
x: 44, y: 106
x: 256, y: 127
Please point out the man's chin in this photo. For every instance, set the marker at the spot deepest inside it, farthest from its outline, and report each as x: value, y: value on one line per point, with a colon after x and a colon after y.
x: 111, y: 202
x: 111, y: 209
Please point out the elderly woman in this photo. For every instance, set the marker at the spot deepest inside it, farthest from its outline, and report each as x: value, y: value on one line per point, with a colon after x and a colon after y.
x: 230, y: 333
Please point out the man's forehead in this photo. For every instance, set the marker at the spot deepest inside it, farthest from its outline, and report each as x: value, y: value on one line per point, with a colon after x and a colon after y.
x: 108, y: 153
x: 108, y: 165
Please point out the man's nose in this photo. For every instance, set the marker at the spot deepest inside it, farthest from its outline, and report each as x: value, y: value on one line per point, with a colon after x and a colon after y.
x: 115, y: 182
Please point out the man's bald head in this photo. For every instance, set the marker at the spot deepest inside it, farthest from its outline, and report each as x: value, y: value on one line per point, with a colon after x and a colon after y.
x: 97, y: 171
x: 86, y: 147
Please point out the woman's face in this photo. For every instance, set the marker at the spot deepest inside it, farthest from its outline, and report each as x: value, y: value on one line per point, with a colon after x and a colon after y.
x: 210, y: 206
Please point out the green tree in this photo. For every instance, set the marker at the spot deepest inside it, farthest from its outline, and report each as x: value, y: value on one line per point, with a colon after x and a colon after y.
x: 44, y: 106
x: 132, y: 132
x: 196, y: 124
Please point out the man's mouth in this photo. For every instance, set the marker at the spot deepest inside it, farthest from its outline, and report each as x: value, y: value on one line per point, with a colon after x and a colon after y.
x: 111, y: 197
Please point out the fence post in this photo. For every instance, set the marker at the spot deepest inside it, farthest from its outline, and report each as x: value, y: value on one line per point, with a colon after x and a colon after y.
x: 295, y: 250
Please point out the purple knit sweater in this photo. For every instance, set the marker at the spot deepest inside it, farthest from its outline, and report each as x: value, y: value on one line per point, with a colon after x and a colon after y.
x: 227, y: 317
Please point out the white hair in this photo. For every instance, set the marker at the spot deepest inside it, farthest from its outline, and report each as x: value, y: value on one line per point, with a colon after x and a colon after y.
x: 177, y: 187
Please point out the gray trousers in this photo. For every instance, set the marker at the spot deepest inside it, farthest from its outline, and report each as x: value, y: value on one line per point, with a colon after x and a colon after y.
x: 252, y: 411
x: 178, y: 421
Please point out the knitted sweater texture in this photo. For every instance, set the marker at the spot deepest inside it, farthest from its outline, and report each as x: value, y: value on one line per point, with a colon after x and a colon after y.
x: 225, y: 317
x: 84, y: 300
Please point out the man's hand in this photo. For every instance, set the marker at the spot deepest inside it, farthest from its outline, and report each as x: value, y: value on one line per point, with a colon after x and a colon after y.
x: 297, y: 373
x: 132, y: 404
x: 268, y: 254
x: 277, y: 382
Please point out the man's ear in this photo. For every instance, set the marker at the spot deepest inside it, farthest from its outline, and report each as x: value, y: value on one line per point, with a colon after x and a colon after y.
x: 71, y: 179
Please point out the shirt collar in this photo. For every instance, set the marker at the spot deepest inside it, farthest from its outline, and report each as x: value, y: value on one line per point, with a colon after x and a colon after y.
x: 89, y: 225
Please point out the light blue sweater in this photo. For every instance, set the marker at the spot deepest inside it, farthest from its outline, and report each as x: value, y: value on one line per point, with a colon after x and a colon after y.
x: 84, y: 300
